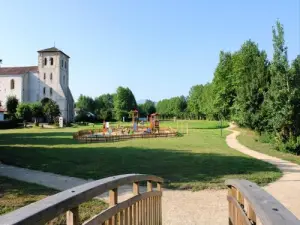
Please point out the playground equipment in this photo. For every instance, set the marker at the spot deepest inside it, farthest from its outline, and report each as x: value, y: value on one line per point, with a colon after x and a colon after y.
x: 154, y: 122
x: 135, y: 119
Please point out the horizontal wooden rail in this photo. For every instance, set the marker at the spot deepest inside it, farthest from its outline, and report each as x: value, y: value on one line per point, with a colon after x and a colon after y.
x: 83, y: 135
x: 248, y: 203
x: 68, y: 201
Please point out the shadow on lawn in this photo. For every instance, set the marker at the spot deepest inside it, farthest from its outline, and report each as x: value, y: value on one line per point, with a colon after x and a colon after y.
x: 51, y: 138
x: 181, y: 168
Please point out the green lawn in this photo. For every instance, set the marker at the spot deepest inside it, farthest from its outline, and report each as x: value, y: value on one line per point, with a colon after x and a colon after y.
x: 251, y: 139
x: 195, y: 161
x: 15, y: 194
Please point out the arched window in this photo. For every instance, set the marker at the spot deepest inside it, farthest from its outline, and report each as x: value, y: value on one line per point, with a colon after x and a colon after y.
x: 45, y: 61
x: 51, y: 76
x: 12, y: 84
x: 44, y: 76
x: 44, y: 90
x: 51, y: 61
x: 62, y: 63
x: 50, y: 91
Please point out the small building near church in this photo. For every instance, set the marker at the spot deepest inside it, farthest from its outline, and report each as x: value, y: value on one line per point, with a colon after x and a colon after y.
x: 1, y: 114
x: 49, y: 79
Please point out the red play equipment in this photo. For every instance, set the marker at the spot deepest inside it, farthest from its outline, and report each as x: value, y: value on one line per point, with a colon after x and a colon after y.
x: 154, y: 122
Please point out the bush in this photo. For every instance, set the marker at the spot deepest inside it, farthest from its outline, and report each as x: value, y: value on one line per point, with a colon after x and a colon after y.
x: 8, y: 124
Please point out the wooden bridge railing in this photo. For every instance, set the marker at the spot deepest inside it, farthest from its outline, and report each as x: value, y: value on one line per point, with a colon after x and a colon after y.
x: 143, y: 208
x: 249, y: 205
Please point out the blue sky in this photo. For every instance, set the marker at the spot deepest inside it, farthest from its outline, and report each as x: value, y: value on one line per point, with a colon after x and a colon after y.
x: 158, y: 48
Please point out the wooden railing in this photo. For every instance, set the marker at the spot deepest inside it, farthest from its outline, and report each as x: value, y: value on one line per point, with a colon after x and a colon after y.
x: 83, y: 136
x: 143, y: 208
x: 249, y: 204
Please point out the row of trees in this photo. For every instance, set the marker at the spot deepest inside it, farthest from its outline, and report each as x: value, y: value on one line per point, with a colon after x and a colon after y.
x: 247, y: 87
x: 254, y: 92
x: 47, y: 109
x: 112, y: 106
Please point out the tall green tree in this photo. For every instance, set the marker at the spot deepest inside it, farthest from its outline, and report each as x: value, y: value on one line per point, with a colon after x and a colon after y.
x: 37, y: 111
x: 147, y: 108
x: 195, y: 104
x: 252, y: 78
x: 11, y: 106
x: 104, y: 106
x: 24, y: 112
x: 282, y: 99
x: 51, y: 110
x: 224, y: 85
x: 124, y: 102
x: 85, y: 103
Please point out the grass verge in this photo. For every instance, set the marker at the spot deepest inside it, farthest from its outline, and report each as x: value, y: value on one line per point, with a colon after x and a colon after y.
x: 250, y: 139
x: 16, y: 194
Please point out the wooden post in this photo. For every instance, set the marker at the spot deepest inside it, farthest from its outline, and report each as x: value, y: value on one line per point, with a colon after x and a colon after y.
x: 113, y: 200
x: 73, y: 216
x: 149, y: 186
x: 136, y: 188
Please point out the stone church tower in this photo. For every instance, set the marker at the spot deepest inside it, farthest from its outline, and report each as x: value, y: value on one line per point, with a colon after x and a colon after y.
x: 53, y: 72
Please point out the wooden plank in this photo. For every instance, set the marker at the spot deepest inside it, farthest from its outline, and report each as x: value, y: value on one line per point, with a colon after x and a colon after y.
x: 126, y: 220
x: 72, y: 216
x: 48, y: 208
x: 133, y: 215
x: 250, y: 213
x: 160, y: 210
x: 121, y: 218
x: 265, y: 206
x: 130, y: 216
x: 241, y: 217
x: 147, y: 212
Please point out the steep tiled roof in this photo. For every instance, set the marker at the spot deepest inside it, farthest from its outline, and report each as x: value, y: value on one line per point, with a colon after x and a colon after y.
x: 53, y: 49
x: 17, y: 70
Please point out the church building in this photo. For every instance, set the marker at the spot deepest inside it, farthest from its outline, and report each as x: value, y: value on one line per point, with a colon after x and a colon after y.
x: 49, y: 79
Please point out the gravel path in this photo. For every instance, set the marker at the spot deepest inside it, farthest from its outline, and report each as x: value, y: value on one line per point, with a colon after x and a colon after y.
x: 186, y: 207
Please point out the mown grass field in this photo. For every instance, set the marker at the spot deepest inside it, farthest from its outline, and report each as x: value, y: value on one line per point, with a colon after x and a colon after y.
x: 15, y: 194
x: 195, y: 161
x: 251, y: 139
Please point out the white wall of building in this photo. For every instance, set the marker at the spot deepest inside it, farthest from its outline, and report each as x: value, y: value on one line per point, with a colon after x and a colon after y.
x: 5, y: 87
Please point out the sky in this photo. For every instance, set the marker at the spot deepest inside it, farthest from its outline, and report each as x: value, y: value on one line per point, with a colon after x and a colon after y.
x: 157, y: 48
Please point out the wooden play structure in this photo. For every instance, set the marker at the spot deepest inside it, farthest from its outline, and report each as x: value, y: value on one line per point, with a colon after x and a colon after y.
x: 135, y: 119
x: 248, y: 204
x: 154, y: 122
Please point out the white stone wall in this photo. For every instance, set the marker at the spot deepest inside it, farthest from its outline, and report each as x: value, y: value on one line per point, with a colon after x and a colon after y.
x: 5, y: 91
x: 33, y: 87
